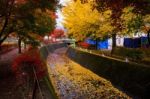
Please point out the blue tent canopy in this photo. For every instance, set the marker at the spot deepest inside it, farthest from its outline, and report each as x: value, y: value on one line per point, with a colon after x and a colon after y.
x: 101, y: 44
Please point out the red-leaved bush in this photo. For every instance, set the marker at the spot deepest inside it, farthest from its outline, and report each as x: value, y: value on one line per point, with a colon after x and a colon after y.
x: 84, y: 44
x: 26, y: 64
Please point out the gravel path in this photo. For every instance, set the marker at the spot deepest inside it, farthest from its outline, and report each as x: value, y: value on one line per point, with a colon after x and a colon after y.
x: 72, y: 81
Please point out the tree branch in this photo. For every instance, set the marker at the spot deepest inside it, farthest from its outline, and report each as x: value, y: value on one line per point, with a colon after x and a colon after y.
x: 7, y: 16
x: 2, y: 40
x: 4, y: 26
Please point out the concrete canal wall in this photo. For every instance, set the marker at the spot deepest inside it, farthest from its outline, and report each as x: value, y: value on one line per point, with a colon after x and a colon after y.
x: 45, y: 51
x: 50, y: 48
x: 130, y: 77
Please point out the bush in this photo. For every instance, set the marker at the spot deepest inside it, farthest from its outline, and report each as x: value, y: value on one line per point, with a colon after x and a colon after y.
x: 133, y: 54
x: 25, y: 64
x: 84, y: 44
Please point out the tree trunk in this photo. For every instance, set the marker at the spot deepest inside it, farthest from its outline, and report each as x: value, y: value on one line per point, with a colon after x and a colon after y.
x: 96, y: 43
x: 4, y: 26
x: 7, y: 17
x: 19, y: 45
x: 3, y: 38
x: 25, y: 46
x: 0, y: 47
x: 113, y: 42
x: 148, y: 37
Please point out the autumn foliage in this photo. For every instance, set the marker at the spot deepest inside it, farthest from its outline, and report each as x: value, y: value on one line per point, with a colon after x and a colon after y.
x: 84, y: 44
x: 23, y: 17
x: 57, y: 33
x: 53, y: 15
x: 27, y: 64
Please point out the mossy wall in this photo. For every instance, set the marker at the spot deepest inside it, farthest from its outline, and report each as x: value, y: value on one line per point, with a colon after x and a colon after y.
x: 131, y: 77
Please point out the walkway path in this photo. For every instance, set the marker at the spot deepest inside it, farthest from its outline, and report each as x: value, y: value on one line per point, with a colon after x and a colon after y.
x: 72, y: 81
x: 9, y: 88
x: 6, y: 61
x: 7, y: 80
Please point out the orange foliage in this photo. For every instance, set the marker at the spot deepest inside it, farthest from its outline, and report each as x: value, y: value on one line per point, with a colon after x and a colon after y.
x: 36, y: 36
x: 53, y: 15
x: 20, y: 1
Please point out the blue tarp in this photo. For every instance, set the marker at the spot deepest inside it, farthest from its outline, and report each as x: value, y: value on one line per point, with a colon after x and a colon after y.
x: 136, y: 42
x: 90, y: 41
x: 127, y: 42
x: 103, y: 44
x: 144, y: 42
x: 132, y: 43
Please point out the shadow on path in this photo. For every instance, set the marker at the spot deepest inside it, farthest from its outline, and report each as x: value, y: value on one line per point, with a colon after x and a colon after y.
x: 7, y: 79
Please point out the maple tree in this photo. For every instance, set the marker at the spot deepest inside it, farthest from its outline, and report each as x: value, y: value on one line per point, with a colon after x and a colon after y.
x: 57, y: 33
x: 25, y: 17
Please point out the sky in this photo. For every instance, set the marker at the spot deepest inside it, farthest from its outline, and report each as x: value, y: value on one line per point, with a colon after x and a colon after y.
x: 59, y: 14
x: 59, y: 19
x: 63, y: 2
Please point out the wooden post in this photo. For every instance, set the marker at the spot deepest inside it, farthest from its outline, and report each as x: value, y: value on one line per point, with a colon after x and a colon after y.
x: 113, y: 42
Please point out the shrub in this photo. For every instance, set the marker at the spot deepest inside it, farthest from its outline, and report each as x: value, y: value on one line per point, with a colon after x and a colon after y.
x: 134, y: 54
x: 25, y: 64
x: 84, y: 44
